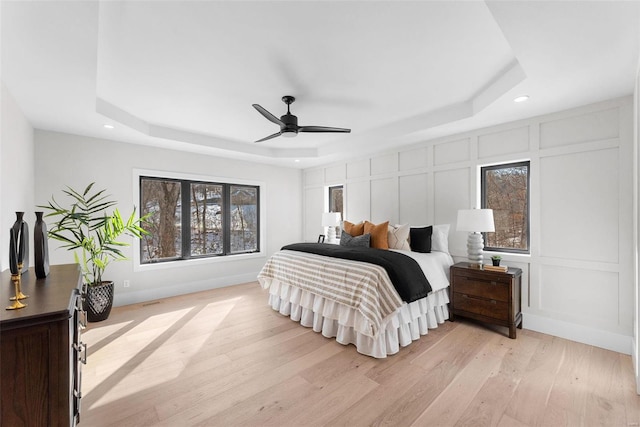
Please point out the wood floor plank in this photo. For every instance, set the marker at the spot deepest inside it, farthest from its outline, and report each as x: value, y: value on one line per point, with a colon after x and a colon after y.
x: 378, y: 406
x: 327, y: 400
x: 268, y: 404
x: 217, y: 397
x: 225, y: 358
x: 631, y: 399
x: 488, y: 407
x: 451, y: 404
x: 605, y: 395
x: 439, y: 366
x: 568, y: 398
x: 528, y: 403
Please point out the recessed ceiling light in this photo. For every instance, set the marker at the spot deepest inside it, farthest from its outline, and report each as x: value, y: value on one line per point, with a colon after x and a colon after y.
x: 108, y: 126
x: 521, y: 98
x: 297, y: 160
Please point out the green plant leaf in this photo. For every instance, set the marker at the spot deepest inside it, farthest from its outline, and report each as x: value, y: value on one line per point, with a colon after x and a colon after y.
x: 86, y: 227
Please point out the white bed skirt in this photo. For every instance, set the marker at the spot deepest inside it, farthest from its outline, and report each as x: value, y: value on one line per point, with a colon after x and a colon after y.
x: 348, y: 326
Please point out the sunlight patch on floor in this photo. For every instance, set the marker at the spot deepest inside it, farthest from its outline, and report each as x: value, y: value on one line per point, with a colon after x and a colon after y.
x: 120, y: 368
x: 96, y: 332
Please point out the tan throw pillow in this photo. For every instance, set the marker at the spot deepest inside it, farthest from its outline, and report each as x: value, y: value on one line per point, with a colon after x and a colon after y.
x: 353, y: 229
x: 398, y: 237
x: 378, y: 234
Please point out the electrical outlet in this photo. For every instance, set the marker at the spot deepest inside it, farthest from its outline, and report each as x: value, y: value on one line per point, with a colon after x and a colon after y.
x: 126, y: 283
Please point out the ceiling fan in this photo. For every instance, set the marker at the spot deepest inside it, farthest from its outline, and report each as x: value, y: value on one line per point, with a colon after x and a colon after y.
x: 289, y: 123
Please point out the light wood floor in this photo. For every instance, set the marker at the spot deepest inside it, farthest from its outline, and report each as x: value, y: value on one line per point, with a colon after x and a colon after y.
x: 224, y: 357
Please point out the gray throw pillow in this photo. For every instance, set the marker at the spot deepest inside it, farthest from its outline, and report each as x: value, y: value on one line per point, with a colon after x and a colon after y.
x: 347, y: 239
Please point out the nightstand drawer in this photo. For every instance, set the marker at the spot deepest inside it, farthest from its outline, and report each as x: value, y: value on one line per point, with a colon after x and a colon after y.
x: 483, y: 275
x: 490, y: 289
x: 485, y: 307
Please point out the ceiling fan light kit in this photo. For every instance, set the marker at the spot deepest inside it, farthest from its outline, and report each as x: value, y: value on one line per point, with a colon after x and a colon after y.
x: 289, y: 123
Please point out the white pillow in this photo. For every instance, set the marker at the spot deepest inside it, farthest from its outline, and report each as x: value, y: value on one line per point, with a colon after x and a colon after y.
x: 398, y: 237
x: 440, y: 238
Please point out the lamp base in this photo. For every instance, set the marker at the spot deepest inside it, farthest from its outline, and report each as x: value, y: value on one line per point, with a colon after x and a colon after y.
x: 475, y: 245
x: 331, y: 234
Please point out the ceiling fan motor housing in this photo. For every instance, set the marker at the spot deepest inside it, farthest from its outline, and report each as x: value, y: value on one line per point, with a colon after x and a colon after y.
x: 290, y: 123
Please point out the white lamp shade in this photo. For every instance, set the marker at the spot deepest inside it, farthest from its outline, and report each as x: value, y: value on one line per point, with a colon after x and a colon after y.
x: 476, y: 220
x: 331, y: 219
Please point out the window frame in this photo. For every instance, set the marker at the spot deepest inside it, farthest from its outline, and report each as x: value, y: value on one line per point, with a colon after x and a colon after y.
x: 483, y: 205
x: 138, y: 265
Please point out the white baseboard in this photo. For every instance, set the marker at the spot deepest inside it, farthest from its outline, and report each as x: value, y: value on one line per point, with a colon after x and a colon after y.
x: 634, y: 360
x: 583, y: 334
x: 182, y: 288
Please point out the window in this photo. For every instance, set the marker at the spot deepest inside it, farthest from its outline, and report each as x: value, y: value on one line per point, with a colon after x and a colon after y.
x: 336, y: 199
x: 194, y: 219
x: 505, y: 189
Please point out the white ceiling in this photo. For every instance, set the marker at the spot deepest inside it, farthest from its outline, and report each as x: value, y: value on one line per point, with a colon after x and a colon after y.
x: 184, y: 74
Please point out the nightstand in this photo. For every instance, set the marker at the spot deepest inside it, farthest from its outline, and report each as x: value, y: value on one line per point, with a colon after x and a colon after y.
x: 487, y: 296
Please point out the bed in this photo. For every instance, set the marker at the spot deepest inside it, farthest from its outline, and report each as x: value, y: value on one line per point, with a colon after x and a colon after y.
x: 356, y: 302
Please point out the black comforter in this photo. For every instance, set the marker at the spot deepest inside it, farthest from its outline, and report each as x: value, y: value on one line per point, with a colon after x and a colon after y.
x: 404, y: 272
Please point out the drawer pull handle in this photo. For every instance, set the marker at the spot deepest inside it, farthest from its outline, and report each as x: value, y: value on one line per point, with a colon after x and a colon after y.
x: 82, y: 319
x: 84, y: 353
x: 494, y: 283
x: 81, y: 349
x: 493, y: 302
x: 464, y: 296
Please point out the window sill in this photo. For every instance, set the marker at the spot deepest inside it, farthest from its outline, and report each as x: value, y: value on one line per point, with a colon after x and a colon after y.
x: 507, y: 256
x: 196, y: 261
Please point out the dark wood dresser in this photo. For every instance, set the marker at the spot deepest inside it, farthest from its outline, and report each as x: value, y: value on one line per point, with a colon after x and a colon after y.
x: 487, y: 296
x: 41, y: 353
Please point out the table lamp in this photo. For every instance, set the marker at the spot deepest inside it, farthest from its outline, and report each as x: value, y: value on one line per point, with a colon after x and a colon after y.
x: 476, y: 222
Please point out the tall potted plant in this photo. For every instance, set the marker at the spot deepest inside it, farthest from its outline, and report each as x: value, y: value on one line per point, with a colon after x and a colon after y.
x: 90, y: 229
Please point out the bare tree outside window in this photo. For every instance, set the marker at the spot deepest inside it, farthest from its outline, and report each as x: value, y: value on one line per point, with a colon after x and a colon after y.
x: 206, y: 219
x: 244, y: 218
x: 161, y: 199
x: 336, y: 199
x: 505, y: 189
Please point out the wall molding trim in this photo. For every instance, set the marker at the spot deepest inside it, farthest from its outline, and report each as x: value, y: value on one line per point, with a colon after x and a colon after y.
x: 184, y: 288
x: 579, y: 333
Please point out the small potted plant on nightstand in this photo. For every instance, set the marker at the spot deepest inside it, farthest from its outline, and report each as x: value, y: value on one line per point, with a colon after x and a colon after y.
x: 91, y: 230
x: 495, y: 259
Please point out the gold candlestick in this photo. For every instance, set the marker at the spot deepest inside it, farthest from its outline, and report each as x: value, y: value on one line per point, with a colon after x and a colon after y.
x: 19, y: 294
x: 15, y: 278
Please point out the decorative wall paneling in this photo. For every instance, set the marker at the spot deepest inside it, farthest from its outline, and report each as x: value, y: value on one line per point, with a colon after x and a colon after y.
x: 578, y: 278
x: 335, y: 174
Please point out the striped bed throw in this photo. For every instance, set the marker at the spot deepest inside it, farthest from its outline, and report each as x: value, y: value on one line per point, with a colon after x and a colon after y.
x: 364, y: 287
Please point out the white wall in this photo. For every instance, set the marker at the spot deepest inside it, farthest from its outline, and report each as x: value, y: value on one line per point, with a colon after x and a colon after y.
x: 578, y: 279
x: 16, y: 172
x: 636, y: 230
x: 63, y: 159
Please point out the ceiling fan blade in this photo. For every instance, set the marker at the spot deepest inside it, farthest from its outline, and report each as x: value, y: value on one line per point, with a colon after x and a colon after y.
x: 269, y: 137
x: 268, y: 115
x: 322, y: 129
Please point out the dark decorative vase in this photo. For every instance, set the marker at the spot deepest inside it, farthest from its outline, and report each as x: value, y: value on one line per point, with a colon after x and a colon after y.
x: 21, y: 233
x: 98, y: 301
x: 40, y: 247
x: 13, y: 251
